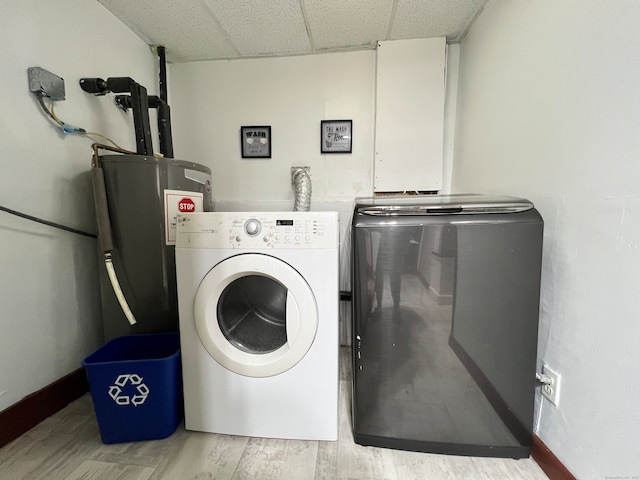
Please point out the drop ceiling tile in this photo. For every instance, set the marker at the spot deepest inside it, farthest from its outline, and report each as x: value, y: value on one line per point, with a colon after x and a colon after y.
x: 186, y: 28
x: 193, y: 30
x: 263, y: 27
x: 434, y: 18
x: 343, y: 24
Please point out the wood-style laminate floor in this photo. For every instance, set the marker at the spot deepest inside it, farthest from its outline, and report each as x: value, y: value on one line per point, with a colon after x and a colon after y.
x: 67, y: 446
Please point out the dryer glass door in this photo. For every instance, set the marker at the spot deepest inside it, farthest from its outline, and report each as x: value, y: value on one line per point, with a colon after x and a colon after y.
x: 255, y: 315
x: 252, y: 314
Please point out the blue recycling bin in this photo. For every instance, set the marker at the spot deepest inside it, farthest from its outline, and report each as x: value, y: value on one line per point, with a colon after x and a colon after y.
x: 136, y: 387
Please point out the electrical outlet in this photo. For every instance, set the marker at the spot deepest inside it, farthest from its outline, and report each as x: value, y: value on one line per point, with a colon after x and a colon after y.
x: 46, y: 83
x: 551, y: 391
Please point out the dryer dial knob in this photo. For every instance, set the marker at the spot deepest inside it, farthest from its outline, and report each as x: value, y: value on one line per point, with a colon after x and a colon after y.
x: 252, y: 227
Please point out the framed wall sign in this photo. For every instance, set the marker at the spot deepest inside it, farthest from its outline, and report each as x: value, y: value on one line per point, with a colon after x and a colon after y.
x: 336, y: 136
x: 256, y: 141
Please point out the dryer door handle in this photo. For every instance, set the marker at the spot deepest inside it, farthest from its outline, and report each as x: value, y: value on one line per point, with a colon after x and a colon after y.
x: 292, y: 319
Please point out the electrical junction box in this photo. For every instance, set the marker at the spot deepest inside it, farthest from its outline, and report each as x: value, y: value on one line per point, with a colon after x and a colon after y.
x: 46, y: 83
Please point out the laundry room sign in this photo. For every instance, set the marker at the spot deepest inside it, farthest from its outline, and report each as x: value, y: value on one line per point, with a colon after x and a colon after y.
x: 175, y: 202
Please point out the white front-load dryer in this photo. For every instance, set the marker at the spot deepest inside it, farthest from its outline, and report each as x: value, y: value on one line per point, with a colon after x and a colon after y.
x: 258, y: 309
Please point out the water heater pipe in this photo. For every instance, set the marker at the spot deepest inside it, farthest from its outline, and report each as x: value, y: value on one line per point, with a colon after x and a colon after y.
x: 162, y: 82
x: 139, y: 105
x: 104, y: 228
x: 164, y: 120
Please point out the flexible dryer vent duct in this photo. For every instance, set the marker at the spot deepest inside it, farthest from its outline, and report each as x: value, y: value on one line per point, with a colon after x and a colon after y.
x: 302, y: 184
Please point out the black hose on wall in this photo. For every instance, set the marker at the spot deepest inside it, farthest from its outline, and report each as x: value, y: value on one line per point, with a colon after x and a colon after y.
x: 47, y: 222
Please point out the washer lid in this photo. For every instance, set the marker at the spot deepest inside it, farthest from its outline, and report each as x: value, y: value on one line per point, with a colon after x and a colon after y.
x: 440, y: 205
x: 297, y: 314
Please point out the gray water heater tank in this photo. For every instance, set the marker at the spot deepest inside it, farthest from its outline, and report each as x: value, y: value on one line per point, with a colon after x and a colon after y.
x: 143, y: 194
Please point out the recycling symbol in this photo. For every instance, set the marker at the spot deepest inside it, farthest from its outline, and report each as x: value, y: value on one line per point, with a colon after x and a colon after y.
x: 120, y: 394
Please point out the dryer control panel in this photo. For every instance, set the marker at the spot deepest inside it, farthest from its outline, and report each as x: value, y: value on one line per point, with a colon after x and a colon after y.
x: 258, y: 230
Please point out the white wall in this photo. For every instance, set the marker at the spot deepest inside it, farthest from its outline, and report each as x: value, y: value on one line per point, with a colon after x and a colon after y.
x: 48, y: 278
x: 549, y: 109
x: 450, y: 108
x: 212, y: 100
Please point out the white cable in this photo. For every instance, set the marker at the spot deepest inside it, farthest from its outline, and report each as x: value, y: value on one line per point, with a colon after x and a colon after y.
x: 118, y: 291
x: 544, y: 378
x: 536, y: 426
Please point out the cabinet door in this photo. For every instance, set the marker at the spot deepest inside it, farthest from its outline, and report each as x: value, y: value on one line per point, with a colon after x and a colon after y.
x: 410, y: 91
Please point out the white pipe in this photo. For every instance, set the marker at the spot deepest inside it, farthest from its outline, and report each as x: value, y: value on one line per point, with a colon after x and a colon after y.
x: 117, y: 290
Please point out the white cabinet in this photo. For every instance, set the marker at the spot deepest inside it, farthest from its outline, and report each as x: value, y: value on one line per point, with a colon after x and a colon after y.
x: 410, y: 92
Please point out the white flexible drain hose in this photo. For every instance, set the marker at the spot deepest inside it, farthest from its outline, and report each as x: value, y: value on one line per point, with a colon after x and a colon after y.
x: 302, y: 184
x: 117, y: 290
x: 105, y: 236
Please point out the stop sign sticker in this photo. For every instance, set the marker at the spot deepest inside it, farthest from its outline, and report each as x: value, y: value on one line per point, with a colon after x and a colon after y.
x: 186, y: 205
x: 177, y: 202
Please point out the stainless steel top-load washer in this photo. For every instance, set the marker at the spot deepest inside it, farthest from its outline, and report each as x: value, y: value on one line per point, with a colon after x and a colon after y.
x: 445, y: 321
